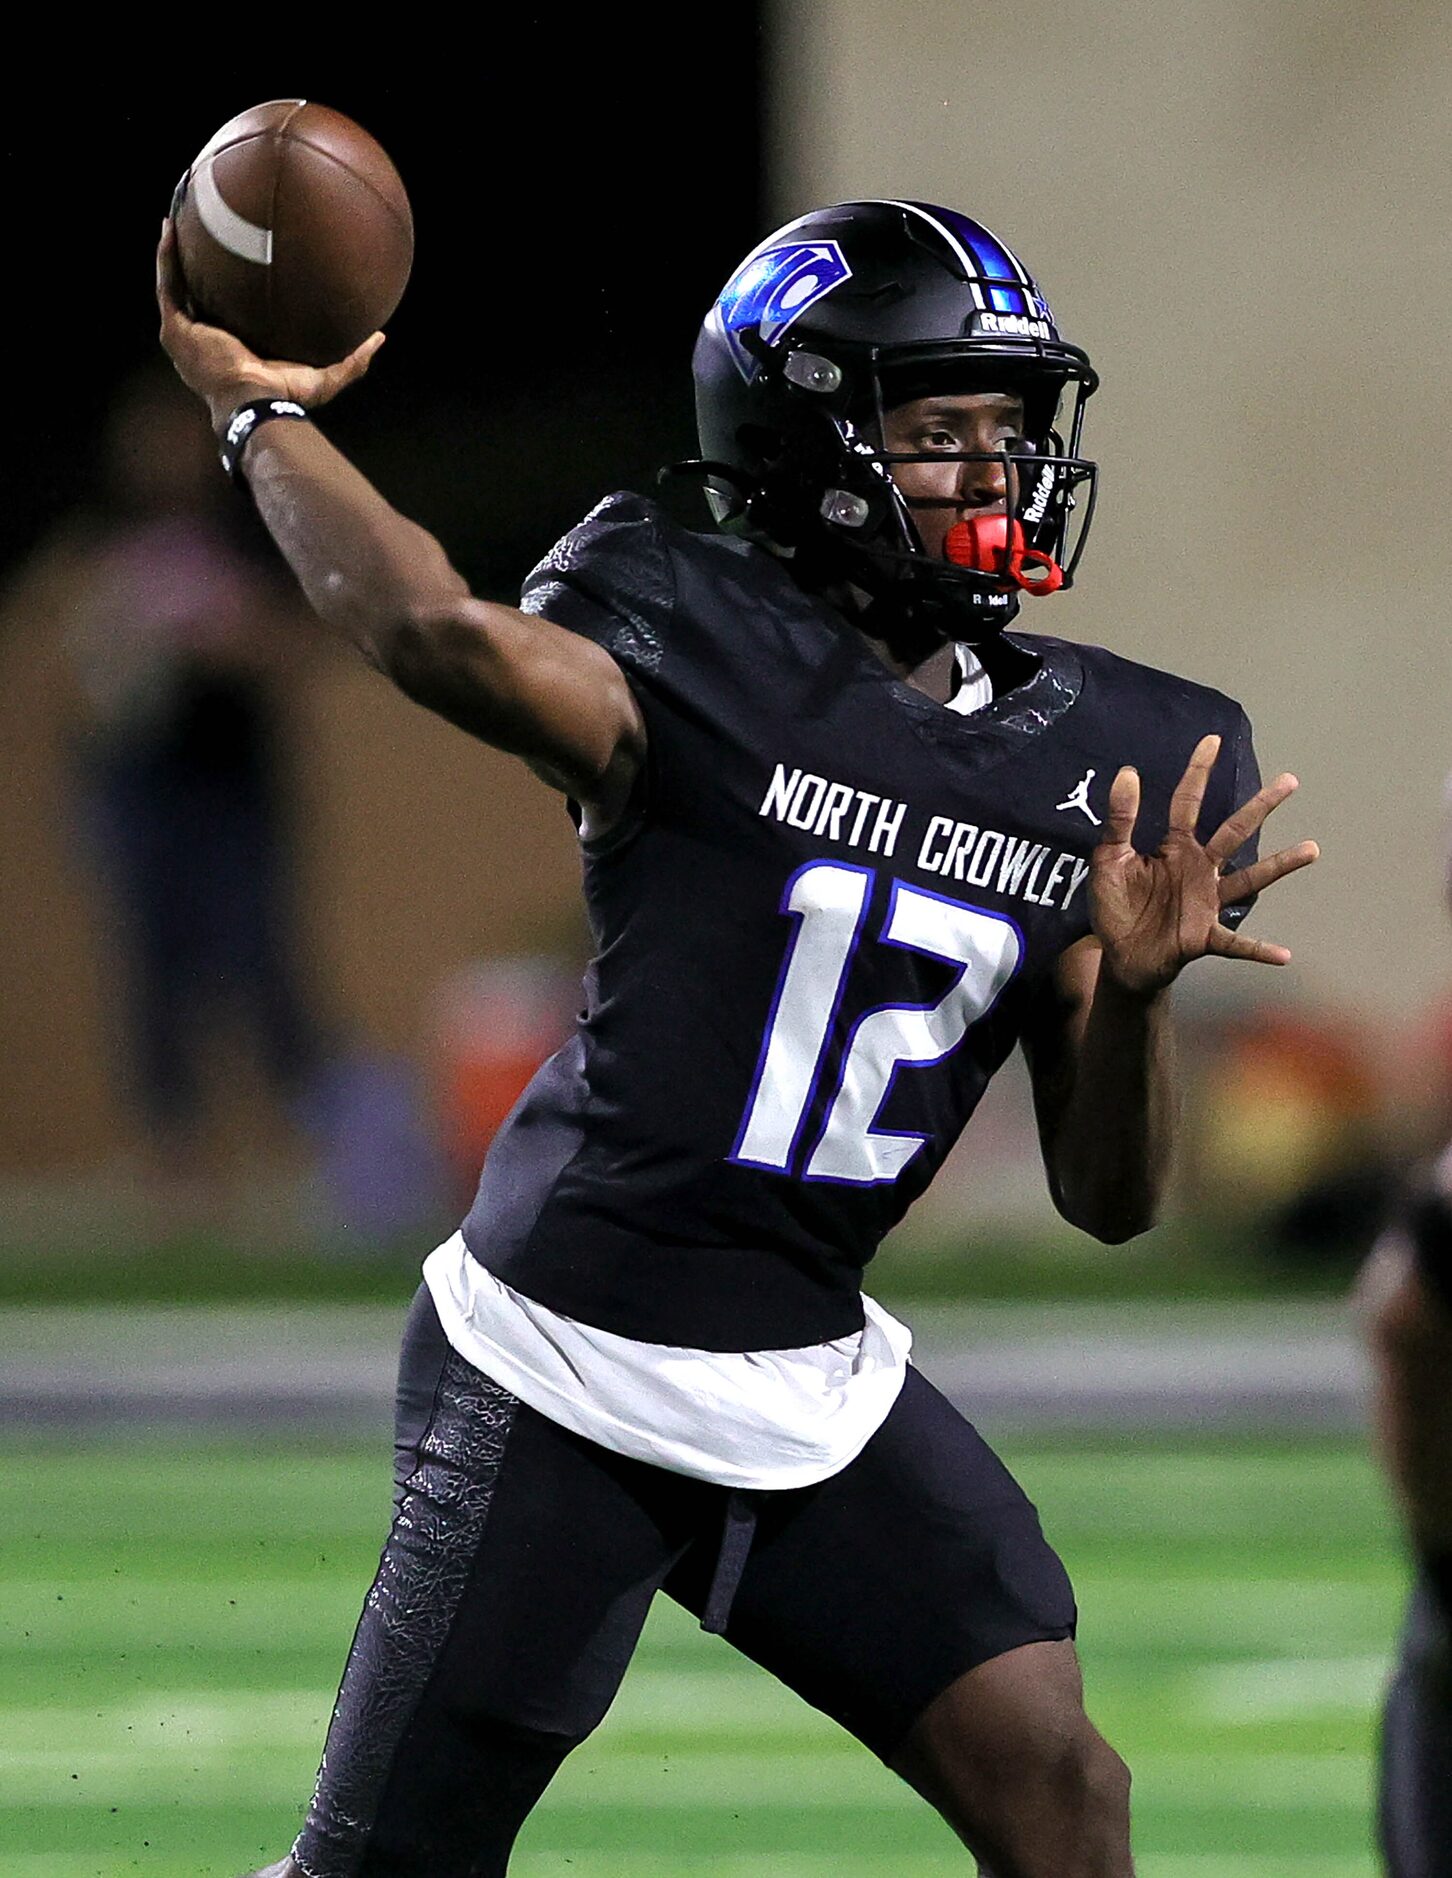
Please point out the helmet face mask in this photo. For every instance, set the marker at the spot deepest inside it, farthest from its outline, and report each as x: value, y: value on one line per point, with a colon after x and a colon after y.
x: 831, y: 324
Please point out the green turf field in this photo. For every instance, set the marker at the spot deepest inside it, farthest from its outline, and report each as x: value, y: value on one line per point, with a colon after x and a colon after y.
x: 172, y: 1625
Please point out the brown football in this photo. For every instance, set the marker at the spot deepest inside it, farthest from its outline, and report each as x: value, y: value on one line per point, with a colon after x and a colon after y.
x: 294, y: 232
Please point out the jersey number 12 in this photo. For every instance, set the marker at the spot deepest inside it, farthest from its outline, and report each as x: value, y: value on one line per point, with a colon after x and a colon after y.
x: 830, y: 900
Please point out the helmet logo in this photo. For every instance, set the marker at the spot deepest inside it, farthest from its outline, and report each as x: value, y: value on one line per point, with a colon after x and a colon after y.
x: 772, y: 289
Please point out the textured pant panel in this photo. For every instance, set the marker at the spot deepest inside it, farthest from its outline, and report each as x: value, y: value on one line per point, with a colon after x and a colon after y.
x: 508, y: 1602
x: 408, y: 1614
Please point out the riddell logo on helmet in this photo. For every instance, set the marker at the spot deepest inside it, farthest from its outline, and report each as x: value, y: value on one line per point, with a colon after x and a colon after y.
x: 1011, y: 325
x: 1040, y: 500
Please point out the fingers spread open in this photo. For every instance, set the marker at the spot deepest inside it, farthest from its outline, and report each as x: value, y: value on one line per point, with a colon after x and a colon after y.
x: 1190, y: 790
x: 1123, y: 808
x: 1238, y: 945
x: 1237, y: 829
x: 1264, y: 873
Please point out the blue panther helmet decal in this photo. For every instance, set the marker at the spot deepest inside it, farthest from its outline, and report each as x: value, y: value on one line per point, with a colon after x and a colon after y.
x: 839, y: 316
x: 772, y: 288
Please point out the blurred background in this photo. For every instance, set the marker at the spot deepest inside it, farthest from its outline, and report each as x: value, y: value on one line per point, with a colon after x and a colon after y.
x: 279, y: 949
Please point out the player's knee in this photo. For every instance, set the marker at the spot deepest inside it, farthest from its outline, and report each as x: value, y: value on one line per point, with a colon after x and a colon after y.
x: 1081, y: 1790
x: 1059, y: 1790
x: 1101, y: 1779
x: 1079, y: 1801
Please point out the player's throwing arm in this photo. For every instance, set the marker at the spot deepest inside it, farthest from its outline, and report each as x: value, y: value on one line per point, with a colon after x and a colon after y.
x: 514, y: 680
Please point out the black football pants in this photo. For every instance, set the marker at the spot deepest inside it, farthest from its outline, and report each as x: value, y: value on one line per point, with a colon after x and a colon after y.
x: 521, y: 1565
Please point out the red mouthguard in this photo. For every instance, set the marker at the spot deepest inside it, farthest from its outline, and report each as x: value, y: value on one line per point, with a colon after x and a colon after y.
x: 991, y: 544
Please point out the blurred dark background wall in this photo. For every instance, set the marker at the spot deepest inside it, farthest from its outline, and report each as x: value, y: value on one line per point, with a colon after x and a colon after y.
x: 579, y: 196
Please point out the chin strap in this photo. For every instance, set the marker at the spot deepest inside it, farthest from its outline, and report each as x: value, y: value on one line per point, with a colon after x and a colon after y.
x: 991, y: 544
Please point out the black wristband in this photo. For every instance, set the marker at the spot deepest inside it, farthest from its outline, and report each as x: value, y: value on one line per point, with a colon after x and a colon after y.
x: 244, y: 420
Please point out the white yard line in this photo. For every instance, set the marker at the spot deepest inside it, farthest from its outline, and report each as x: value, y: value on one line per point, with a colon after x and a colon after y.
x: 1201, y: 1362
x: 154, y: 1748
x: 1289, y: 1688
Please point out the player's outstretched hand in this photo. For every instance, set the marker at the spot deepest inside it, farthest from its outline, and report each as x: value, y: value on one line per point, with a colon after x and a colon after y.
x: 1153, y: 913
x: 222, y: 371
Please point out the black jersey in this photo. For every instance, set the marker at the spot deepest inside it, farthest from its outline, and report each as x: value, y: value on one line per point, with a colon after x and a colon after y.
x: 817, y: 932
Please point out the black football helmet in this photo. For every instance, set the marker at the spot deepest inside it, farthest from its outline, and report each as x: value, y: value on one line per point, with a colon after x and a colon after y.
x: 832, y: 321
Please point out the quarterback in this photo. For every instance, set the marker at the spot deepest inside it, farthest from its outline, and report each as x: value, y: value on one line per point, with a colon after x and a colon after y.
x: 847, y: 840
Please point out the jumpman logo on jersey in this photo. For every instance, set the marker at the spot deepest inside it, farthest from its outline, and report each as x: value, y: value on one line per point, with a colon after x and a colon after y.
x: 1079, y: 797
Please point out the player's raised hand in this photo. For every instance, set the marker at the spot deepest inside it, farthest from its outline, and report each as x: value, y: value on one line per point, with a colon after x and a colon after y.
x: 1153, y: 913
x: 222, y: 371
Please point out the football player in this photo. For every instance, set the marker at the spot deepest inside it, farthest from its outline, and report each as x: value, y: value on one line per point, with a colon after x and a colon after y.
x: 1406, y: 1294
x: 846, y: 842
